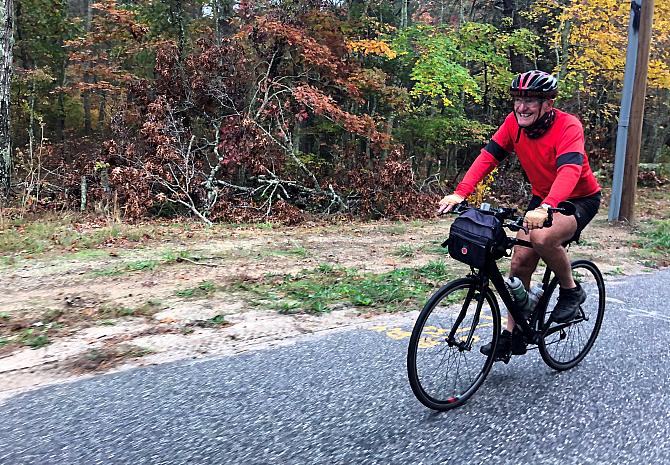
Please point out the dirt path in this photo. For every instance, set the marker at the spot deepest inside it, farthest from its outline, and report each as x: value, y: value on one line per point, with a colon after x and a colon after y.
x: 127, y: 308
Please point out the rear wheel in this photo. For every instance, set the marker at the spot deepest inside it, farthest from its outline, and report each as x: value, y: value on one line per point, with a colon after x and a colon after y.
x: 565, y: 345
x: 444, y: 364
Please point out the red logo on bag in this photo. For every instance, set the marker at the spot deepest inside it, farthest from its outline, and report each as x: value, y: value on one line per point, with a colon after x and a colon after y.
x: 464, y: 250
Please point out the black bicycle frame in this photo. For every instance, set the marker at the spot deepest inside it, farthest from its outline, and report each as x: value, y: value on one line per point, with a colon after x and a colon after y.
x: 491, y: 273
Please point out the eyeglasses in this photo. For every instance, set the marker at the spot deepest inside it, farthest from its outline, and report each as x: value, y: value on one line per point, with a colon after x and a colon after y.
x: 528, y: 101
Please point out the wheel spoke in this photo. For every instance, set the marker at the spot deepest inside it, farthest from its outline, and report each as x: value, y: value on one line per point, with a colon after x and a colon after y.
x: 579, y: 336
x: 443, y: 376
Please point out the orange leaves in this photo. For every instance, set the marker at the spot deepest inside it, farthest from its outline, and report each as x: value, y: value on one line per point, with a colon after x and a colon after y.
x: 125, y: 19
x: 321, y: 103
x: 312, y: 52
x: 371, y: 47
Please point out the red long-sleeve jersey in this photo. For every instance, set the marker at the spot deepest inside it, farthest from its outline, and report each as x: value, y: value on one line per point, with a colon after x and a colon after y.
x: 555, y: 163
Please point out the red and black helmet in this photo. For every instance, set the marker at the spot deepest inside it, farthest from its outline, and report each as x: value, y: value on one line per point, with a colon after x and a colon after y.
x: 534, y: 83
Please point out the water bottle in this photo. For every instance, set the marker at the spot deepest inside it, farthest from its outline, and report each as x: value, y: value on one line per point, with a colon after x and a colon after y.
x: 519, y: 294
x: 534, y: 295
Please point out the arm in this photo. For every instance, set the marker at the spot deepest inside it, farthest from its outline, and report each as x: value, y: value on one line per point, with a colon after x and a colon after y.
x: 569, y: 163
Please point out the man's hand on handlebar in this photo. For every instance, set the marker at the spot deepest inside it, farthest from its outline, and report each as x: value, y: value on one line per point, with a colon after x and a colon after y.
x: 535, y: 219
x: 449, y: 202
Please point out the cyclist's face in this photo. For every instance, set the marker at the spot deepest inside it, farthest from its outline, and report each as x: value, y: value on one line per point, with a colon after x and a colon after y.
x: 530, y: 109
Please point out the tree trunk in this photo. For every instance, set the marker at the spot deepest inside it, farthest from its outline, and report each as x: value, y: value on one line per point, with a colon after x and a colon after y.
x: 21, y: 53
x: 61, y: 68
x: 510, y: 11
x: 102, y: 111
x: 177, y: 19
x: 6, y: 44
x: 404, y: 10
x: 223, y: 12
x: 565, y: 43
x: 88, y: 78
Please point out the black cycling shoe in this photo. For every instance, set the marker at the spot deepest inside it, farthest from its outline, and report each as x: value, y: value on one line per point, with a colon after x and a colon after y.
x: 508, y: 344
x: 568, y: 304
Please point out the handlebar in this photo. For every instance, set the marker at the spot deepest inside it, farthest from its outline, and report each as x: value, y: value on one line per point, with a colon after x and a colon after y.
x: 508, y: 216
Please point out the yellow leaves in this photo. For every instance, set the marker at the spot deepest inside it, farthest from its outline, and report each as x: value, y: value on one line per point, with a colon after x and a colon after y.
x: 371, y: 47
x: 659, y: 74
x: 599, y: 37
x: 482, y: 188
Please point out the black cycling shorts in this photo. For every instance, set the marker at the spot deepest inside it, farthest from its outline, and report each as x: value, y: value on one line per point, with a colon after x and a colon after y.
x: 586, y: 209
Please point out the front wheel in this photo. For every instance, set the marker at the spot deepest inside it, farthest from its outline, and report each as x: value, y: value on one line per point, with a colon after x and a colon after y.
x: 565, y: 345
x: 444, y: 363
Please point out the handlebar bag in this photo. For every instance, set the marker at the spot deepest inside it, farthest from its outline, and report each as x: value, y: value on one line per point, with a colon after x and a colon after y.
x: 475, y: 238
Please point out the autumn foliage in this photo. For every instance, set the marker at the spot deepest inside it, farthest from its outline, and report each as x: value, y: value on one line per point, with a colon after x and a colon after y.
x: 279, y: 111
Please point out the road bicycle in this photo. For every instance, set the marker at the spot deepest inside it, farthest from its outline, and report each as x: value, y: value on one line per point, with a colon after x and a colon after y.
x: 444, y: 362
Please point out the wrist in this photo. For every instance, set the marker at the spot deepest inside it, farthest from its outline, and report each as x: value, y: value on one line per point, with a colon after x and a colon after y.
x: 545, y: 206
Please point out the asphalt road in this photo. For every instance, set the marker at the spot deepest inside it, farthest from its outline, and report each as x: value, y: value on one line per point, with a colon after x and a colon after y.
x: 344, y: 399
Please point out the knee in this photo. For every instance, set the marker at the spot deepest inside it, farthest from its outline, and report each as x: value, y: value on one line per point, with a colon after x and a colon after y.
x: 543, y: 241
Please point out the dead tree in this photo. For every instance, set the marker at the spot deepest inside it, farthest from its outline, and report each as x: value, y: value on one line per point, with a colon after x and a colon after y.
x: 6, y: 43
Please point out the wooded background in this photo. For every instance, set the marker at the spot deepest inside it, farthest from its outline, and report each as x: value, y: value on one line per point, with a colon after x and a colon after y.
x: 251, y: 110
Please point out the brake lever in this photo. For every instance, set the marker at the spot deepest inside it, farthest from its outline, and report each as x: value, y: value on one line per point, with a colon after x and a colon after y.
x: 518, y: 226
x: 550, y: 218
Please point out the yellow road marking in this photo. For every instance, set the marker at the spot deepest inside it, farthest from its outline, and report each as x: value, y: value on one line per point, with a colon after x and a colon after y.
x: 432, y: 335
x: 398, y: 334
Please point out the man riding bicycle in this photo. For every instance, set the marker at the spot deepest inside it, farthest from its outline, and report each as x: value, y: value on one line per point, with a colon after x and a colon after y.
x: 549, y: 144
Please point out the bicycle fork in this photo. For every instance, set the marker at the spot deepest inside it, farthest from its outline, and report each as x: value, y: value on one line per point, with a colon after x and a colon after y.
x: 467, y: 343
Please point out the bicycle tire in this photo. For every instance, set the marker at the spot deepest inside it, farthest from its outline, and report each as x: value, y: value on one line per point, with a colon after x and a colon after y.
x: 580, y: 334
x: 431, y: 359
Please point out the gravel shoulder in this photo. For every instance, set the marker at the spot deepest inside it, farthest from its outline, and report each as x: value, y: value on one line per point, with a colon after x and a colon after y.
x: 122, y: 308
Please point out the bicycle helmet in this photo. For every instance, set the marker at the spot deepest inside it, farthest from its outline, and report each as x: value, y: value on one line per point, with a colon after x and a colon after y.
x: 534, y: 83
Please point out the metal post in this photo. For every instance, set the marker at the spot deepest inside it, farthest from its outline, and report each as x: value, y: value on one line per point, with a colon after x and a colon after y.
x: 624, y: 113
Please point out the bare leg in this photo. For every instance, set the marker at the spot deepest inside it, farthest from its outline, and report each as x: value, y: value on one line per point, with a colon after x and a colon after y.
x: 547, y: 244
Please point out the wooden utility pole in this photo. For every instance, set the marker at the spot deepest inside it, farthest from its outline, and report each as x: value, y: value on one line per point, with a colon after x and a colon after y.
x: 629, y: 187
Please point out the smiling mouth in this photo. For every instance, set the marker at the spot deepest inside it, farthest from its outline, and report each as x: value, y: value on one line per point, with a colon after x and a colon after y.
x: 525, y: 115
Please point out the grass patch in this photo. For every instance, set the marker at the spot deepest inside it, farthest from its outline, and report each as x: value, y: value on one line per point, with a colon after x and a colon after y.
x: 167, y: 258
x: 435, y: 248
x: 653, y: 243
x: 321, y: 289
x: 616, y: 271
x: 203, y: 289
x: 658, y: 237
x: 33, y: 338
x: 110, y: 312
x: 217, y: 321
x: 296, y: 251
x: 107, y: 272
x: 172, y: 256
x: 266, y: 225
x: 108, y: 356
x: 48, y: 232
x: 142, y: 265
x: 89, y: 254
x: 404, y: 251
x: 393, y: 229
